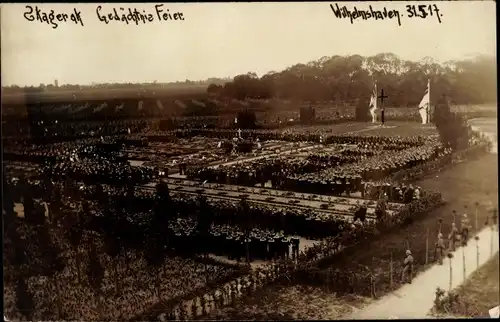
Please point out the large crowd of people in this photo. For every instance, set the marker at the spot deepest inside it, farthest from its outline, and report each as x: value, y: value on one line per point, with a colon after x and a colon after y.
x: 130, y: 287
x: 130, y: 284
x: 83, y: 181
x: 346, y: 170
x: 234, y: 243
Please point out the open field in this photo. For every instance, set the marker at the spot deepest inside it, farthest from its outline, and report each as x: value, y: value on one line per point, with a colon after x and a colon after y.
x: 463, y: 184
x: 137, y: 91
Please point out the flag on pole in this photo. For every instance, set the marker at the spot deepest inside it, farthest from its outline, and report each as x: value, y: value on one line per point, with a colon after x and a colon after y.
x: 423, y: 107
x: 373, y: 102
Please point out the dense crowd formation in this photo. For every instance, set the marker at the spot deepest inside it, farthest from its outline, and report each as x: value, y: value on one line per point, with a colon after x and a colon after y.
x: 94, y: 231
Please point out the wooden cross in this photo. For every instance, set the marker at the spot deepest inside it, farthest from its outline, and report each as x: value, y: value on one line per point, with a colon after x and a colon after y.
x: 382, y: 97
x: 239, y: 133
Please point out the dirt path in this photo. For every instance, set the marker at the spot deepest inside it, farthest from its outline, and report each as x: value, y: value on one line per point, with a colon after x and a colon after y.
x: 413, y: 301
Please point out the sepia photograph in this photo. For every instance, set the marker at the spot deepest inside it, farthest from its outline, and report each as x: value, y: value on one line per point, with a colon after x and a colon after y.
x: 249, y: 161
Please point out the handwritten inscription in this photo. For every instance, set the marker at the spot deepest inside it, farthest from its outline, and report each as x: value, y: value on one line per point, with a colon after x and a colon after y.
x: 130, y: 15
x: 119, y: 15
x: 52, y: 18
x: 420, y: 11
x: 424, y: 11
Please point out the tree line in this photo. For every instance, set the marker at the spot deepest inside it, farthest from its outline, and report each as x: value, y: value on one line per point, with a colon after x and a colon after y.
x: 16, y: 89
x: 351, y: 79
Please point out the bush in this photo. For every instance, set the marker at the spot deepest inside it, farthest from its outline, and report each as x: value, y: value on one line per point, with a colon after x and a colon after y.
x: 246, y: 120
x: 362, y: 111
x: 307, y: 115
x: 445, y: 301
x: 452, y: 127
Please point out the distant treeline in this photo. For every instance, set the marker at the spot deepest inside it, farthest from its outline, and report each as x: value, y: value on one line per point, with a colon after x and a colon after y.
x: 351, y: 78
x: 15, y: 89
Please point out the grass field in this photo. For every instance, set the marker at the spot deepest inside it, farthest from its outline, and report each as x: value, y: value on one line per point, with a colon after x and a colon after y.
x: 461, y: 185
x: 481, y: 292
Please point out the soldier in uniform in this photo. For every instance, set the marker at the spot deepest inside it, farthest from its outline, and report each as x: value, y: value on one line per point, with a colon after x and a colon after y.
x: 465, y: 229
x: 203, y: 303
x: 439, y: 251
x: 295, y: 247
x: 452, y: 237
x: 360, y: 213
x: 286, y: 247
x: 407, y: 267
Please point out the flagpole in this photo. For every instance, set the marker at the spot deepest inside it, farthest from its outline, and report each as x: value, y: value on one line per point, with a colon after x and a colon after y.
x: 375, y: 101
x: 429, y: 105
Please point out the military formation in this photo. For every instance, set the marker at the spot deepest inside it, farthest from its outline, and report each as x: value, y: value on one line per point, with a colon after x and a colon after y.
x: 196, y: 233
x: 232, y: 242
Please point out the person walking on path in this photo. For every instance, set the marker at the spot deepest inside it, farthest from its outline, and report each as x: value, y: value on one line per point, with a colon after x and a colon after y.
x: 407, y: 267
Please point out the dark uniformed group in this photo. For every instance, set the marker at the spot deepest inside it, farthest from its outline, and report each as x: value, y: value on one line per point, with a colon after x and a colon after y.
x: 250, y: 173
x: 103, y: 170
x: 310, y: 224
x: 401, y: 192
x: 84, y: 161
x: 374, y: 168
x: 311, y: 134
x: 341, y: 172
x: 230, y: 241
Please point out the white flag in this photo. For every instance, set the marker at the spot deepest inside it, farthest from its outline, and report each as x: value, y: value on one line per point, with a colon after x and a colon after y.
x: 128, y: 130
x: 235, y: 120
x: 423, y: 107
x: 373, y: 102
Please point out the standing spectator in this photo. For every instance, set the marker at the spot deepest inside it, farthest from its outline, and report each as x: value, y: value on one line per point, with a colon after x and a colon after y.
x: 452, y: 237
x: 465, y: 229
x: 407, y: 267
x: 439, y: 251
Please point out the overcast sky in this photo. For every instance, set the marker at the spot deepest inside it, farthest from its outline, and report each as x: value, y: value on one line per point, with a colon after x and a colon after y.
x: 227, y: 39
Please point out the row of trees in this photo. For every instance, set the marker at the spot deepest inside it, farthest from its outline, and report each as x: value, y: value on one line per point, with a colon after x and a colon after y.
x: 15, y: 89
x: 348, y: 78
